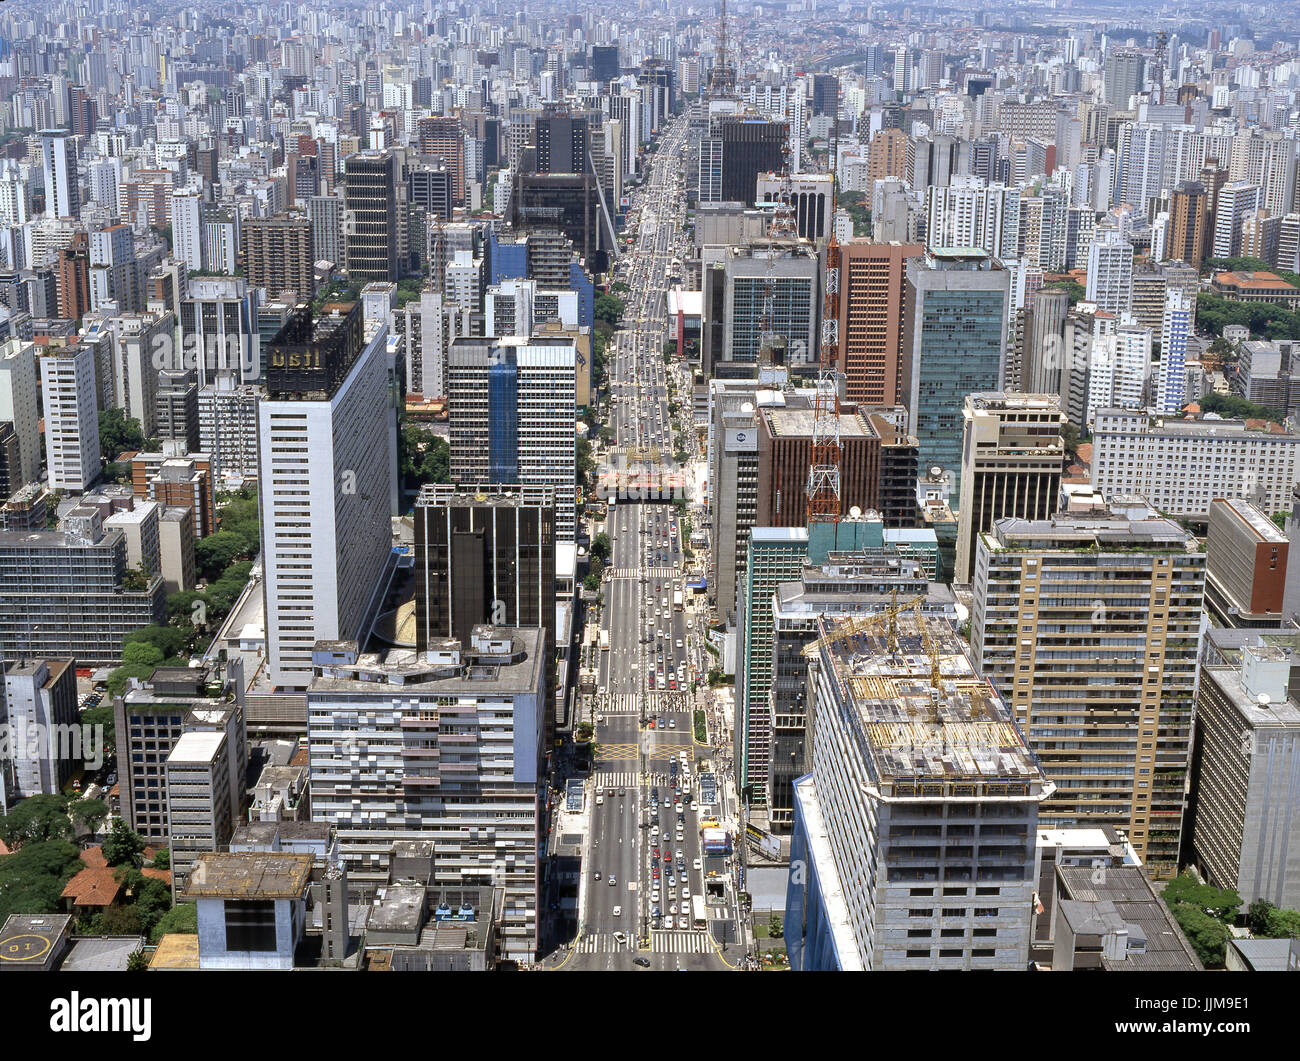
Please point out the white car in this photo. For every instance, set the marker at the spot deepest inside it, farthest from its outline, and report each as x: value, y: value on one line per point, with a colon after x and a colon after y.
x: 672, y: 909
x: 686, y: 897
x: 618, y: 912
x: 695, y: 806
x: 683, y: 922
x: 600, y: 800
x: 654, y: 896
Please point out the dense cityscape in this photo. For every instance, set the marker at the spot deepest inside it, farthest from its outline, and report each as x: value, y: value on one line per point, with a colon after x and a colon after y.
x: 751, y: 487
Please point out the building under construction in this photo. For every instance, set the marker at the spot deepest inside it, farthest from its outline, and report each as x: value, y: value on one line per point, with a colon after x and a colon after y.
x: 914, y: 829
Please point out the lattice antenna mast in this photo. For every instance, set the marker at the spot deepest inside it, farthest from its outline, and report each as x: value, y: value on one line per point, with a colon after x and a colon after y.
x: 723, y: 81
x: 824, y: 465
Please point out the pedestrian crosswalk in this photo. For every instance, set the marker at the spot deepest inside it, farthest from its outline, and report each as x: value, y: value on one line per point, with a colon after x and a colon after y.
x: 601, y: 944
x: 647, y: 572
x: 618, y: 778
x: 677, y: 942
x: 632, y: 703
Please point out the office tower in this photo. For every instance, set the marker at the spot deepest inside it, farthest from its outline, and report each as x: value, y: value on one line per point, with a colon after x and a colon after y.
x: 278, y: 256
x: 150, y: 717
x: 64, y: 593
x: 187, y: 227
x: 1012, y: 458
x: 1180, y: 466
x: 1188, y: 224
x: 461, y: 740
x: 483, y: 552
x: 1122, y: 587
x: 41, y: 723
x: 1244, y: 819
x: 1236, y: 201
x: 370, y: 198
x: 228, y: 418
x: 774, y: 555
x: 221, y: 242
x: 512, y: 403
x: 892, y: 153
x: 791, y: 268
x: 872, y: 280
x: 750, y: 146
x: 324, y: 475
x: 733, y: 469
x: 463, y: 282
x: 1175, y: 331
x: 430, y: 187
x: 1046, y: 364
x: 810, y: 200
x: 1123, y: 77
x: 15, y: 202
x: 74, y: 278
x: 971, y: 213
x: 825, y: 94
x: 879, y: 888
x: 139, y: 339
x: 1110, y: 273
x: 443, y: 138
x: 562, y: 143
x: 574, y: 203
x: 326, y: 213
x: 785, y: 439
x: 20, y: 407
x: 603, y: 62
x: 59, y: 165
x: 71, y: 418
x: 1247, y: 565
x: 955, y: 312
x: 218, y: 323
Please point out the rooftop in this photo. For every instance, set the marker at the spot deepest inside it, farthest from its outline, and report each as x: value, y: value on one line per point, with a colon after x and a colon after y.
x: 250, y: 875
x: 1136, y: 904
x: 952, y: 738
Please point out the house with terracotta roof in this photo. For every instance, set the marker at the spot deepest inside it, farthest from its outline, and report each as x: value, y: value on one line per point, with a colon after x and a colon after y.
x: 96, y: 887
x: 1257, y: 287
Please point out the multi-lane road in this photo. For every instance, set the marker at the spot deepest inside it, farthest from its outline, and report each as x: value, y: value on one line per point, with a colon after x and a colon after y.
x: 642, y: 856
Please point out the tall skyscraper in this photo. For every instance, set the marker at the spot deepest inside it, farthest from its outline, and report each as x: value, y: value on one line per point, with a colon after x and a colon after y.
x: 872, y: 282
x: 324, y: 482
x: 71, y: 418
x: 905, y: 742
x: 483, y: 554
x: 1102, y: 681
x: 1188, y: 224
x: 1176, y: 330
x: 326, y: 213
x: 443, y: 138
x: 955, y: 313
x: 20, y: 406
x: 1236, y: 201
x: 278, y: 255
x: 187, y: 227
x: 1110, y: 273
x: 512, y: 403
x: 59, y: 162
x: 370, y: 185
x: 1123, y: 77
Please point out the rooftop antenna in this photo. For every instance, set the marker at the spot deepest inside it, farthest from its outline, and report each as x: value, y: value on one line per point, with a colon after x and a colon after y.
x: 723, y: 80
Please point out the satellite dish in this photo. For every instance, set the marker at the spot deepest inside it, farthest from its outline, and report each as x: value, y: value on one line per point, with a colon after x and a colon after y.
x: 1263, y: 699
x: 748, y: 407
x: 855, y: 512
x: 936, y: 472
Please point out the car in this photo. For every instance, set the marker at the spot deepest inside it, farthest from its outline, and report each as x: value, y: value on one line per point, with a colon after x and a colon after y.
x: 597, y: 874
x: 656, y: 851
x: 600, y: 800
x: 695, y: 806
x: 622, y: 792
x: 679, y: 835
x: 654, y: 895
x: 672, y: 908
x: 683, y: 922
x: 612, y: 880
x: 644, y: 963
x: 696, y: 864
x: 618, y: 912
x: 672, y: 882
x: 667, y: 804
x: 652, y: 724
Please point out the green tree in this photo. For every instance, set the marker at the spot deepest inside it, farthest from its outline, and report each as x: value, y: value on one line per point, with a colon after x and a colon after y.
x: 36, y: 820
x: 609, y: 308
x: 218, y: 551
x: 1075, y: 290
x: 123, y: 846
x: 180, y: 606
x: 137, y: 962
x: 166, y: 639
x: 600, y: 547
x: 141, y: 654
x: 116, y: 921
x: 1207, y: 935
x: 33, y: 877
x: 591, y: 583
x: 182, y: 918
x: 1230, y: 405
x: 151, y: 898
x: 118, y: 433
x: 92, y: 813
x: 162, y: 859
x: 117, y: 681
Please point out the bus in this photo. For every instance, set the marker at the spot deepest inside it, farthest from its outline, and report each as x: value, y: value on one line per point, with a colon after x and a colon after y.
x: 604, y: 640
x: 698, y: 919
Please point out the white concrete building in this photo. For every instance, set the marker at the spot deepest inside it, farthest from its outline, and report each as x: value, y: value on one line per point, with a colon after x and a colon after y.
x: 1110, y: 273
x: 19, y: 404
x: 71, y: 419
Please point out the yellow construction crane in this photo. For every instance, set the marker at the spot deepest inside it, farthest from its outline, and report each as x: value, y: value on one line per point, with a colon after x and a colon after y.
x: 930, y: 648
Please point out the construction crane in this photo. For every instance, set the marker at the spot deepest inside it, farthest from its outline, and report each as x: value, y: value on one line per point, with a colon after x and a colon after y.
x: 931, y: 649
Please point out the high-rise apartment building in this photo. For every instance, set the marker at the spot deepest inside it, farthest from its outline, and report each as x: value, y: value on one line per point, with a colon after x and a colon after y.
x: 40, y: 704
x: 278, y: 256
x: 914, y: 827
x: 71, y: 418
x: 59, y: 165
x: 1088, y: 624
x: 326, y: 214
x: 1110, y: 273
x: 443, y: 138
x: 1189, y: 224
x: 187, y: 227
x: 892, y: 153
x: 974, y: 213
x: 1180, y: 466
x: 1123, y: 77
x: 324, y: 483
x: 1236, y: 201
x: 1012, y: 456
x: 370, y: 199
x: 446, y: 751
x: 955, y: 313
x: 872, y: 281
x: 20, y: 406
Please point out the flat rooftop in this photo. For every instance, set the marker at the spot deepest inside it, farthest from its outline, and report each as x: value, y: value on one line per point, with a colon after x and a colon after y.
x: 955, y: 731
x: 249, y: 875
x: 794, y: 422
